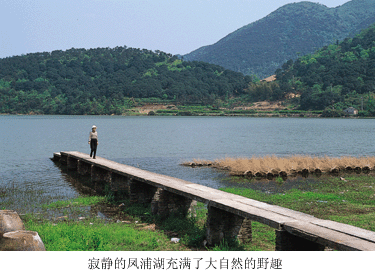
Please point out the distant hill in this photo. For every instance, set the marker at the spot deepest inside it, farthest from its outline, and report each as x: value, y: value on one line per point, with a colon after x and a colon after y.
x: 335, y: 77
x: 292, y: 30
x: 106, y: 81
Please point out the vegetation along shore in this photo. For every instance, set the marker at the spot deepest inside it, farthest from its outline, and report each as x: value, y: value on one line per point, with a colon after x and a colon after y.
x: 75, y: 225
x: 94, y: 222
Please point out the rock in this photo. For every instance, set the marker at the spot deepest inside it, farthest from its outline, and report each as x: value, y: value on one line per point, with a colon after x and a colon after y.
x: 21, y: 240
x: 10, y: 221
x: 62, y: 218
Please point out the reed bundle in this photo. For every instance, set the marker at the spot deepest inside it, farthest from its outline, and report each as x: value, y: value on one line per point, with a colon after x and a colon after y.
x: 288, y: 165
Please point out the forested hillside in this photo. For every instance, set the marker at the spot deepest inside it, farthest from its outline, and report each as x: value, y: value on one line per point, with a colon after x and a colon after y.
x: 335, y: 77
x: 106, y: 81
x: 293, y: 30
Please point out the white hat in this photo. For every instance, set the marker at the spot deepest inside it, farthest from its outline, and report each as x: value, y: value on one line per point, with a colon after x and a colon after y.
x: 93, y: 126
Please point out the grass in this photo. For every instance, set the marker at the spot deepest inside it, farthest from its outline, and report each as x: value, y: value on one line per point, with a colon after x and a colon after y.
x: 23, y: 198
x: 98, y: 235
x: 80, y: 201
x: 133, y: 228
x: 350, y: 201
x: 68, y: 231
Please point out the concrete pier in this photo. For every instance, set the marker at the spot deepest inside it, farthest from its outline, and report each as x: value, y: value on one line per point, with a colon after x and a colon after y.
x: 229, y: 216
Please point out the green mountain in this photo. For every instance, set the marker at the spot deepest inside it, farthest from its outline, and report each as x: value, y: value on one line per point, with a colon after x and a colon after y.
x: 292, y: 30
x: 106, y: 81
x: 335, y: 77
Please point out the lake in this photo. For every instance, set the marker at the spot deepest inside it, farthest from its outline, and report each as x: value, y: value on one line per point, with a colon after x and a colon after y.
x: 159, y: 144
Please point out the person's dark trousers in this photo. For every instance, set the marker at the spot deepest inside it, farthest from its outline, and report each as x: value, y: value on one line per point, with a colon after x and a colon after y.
x: 93, y: 145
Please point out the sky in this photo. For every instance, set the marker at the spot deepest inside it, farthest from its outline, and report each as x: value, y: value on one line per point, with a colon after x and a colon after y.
x: 172, y: 26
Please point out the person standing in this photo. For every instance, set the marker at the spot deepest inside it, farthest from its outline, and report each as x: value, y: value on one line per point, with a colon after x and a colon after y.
x: 93, y: 141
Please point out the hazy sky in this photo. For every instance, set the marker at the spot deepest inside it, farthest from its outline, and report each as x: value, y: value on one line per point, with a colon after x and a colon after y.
x: 172, y: 26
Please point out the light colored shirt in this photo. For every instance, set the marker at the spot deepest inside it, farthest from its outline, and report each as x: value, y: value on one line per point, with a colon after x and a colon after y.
x: 93, y: 135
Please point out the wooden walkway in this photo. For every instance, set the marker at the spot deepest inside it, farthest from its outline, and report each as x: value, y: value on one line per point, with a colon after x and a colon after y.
x: 326, y: 233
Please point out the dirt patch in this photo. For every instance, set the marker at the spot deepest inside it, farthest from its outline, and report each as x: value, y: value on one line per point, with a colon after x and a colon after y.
x: 149, y: 227
x: 263, y: 106
x: 145, y: 109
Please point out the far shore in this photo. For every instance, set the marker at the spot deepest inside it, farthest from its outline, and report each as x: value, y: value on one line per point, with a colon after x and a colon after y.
x: 256, y: 114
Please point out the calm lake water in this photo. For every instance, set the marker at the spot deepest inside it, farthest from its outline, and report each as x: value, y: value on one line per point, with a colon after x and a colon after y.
x: 159, y: 144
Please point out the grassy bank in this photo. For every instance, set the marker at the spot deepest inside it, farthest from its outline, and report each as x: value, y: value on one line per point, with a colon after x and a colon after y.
x: 349, y: 199
x: 94, y: 224
x: 75, y: 225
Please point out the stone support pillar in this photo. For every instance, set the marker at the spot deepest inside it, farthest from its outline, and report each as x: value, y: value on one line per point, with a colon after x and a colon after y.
x: 83, y: 168
x: 100, y: 179
x: 164, y: 203
x: 120, y: 185
x: 286, y: 241
x: 64, y: 159
x: 140, y: 192
x: 56, y: 157
x: 246, y: 232
x: 222, y: 225
x: 71, y: 163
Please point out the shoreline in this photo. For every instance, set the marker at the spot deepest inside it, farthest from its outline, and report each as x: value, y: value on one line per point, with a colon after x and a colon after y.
x: 253, y: 115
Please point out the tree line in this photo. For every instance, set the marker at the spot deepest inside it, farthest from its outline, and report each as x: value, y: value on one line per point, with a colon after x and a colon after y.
x: 110, y: 80
x: 335, y: 77
x: 106, y: 81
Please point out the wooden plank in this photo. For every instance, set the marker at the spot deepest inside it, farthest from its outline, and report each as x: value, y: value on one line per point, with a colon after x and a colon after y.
x: 347, y: 229
x: 328, y: 237
x: 278, y: 209
x: 266, y: 217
